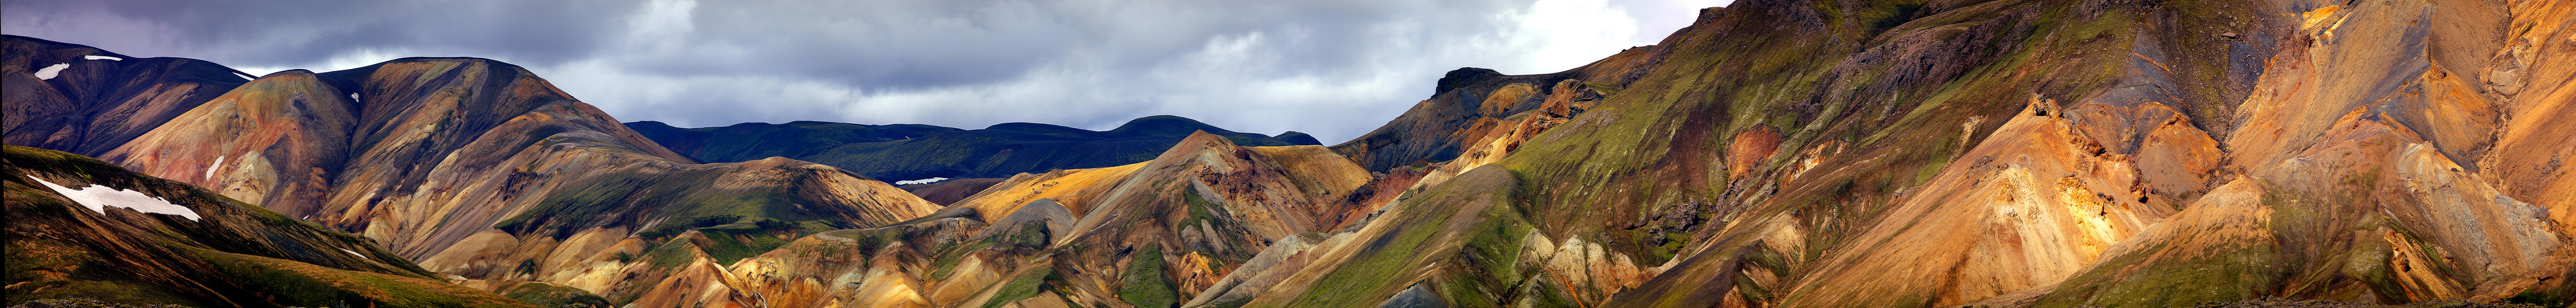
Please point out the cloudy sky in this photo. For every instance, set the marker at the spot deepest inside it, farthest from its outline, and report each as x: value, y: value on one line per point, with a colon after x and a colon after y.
x: 1332, y: 68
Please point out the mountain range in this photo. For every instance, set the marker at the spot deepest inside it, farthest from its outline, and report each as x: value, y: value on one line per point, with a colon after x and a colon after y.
x: 1784, y: 153
x: 904, y: 152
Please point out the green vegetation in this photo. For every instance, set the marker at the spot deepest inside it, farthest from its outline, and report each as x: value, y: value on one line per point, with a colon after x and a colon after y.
x: 672, y: 253
x: 45, y: 269
x: 80, y: 302
x: 946, y: 262
x: 1489, y: 263
x: 299, y: 284
x: 733, y: 244
x: 2241, y: 272
x: 1023, y: 287
x: 687, y: 198
x: 551, y: 295
x: 1391, y: 260
x: 1144, y: 284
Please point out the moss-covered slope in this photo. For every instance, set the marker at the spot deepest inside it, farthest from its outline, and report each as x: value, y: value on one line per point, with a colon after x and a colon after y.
x: 223, y: 253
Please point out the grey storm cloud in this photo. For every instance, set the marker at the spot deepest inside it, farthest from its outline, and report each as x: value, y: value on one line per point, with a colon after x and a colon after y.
x: 1333, y: 68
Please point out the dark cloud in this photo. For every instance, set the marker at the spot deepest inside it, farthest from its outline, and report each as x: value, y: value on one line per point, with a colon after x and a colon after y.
x: 1335, y: 68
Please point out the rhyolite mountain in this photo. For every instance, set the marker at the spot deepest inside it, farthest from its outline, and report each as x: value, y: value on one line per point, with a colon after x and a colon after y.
x: 1775, y: 153
x: 95, y: 100
x: 916, y: 151
x: 475, y: 169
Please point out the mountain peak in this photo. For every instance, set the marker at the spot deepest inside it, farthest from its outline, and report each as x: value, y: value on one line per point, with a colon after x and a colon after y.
x: 1463, y: 76
x: 1163, y: 125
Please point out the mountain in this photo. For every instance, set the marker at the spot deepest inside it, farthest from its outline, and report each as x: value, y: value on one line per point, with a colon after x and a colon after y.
x: 915, y: 151
x: 479, y: 169
x: 1148, y: 234
x: 87, y: 101
x: 83, y: 228
x: 2009, y: 153
x: 1775, y: 153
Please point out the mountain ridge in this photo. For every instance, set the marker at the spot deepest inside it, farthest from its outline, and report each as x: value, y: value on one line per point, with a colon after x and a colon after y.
x: 890, y: 151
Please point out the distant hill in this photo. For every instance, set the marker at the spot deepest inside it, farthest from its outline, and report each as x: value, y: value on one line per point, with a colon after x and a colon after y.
x: 899, y: 152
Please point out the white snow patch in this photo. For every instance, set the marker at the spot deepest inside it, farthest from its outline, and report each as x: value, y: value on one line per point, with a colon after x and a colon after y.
x: 99, y: 197
x: 353, y: 96
x: 246, y: 76
x: 210, y: 168
x: 354, y: 253
x: 49, y: 72
x: 920, y: 181
x: 99, y: 57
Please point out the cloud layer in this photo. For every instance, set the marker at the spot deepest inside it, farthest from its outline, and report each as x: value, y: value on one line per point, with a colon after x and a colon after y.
x: 1333, y: 68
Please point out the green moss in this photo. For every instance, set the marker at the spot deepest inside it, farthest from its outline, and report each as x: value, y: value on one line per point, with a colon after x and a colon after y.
x: 83, y: 302
x: 1022, y: 287
x: 1144, y: 283
x: 298, y: 284
x: 946, y: 262
x: 551, y: 295
x: 673, y: 253
x: 40, y: 269
x: 1377, y: 267
x: 2542, y: 298
x: 1482, y: 251
x: 2215, y: 276
x: 735, y: 244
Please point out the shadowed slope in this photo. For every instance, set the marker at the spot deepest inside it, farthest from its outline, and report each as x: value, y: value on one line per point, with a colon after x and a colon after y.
x: 93, y: 104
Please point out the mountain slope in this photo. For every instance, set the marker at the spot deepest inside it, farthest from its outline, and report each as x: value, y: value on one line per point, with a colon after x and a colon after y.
x: 97, y: 100
x: 914, y: 151
x: 1901, y: 153
x: 1154, y: 233
x: 80, y: 227
x: 480, y: 169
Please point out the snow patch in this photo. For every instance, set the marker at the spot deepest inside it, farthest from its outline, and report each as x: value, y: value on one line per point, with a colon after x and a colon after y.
x: 210, y: 168
x: 920, y: 181
x: 353, y: 96
x: 246, y: 76
x: 354, y: 253
x: 49, y: 72
x: 99, y: 197
x: 99, y: 57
